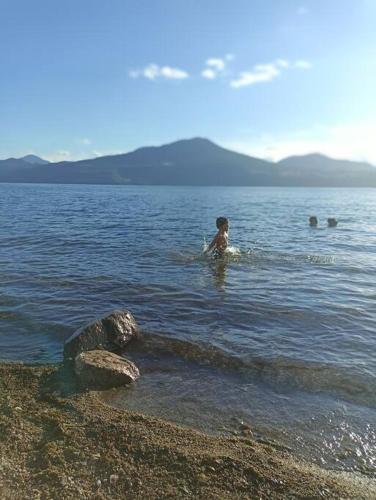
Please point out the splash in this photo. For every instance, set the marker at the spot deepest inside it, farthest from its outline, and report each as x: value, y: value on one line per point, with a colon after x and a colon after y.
x: 231, y: 251
x: 234, y: 251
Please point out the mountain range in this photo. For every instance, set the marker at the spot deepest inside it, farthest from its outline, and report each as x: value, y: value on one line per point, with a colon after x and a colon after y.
x: 197, y: 162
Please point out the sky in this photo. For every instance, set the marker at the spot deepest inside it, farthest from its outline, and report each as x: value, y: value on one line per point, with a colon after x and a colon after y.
x: 270, y: 78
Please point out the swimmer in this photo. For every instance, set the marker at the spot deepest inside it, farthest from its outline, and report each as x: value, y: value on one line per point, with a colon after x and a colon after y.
x: 313, y: 221
x: 332, y: 222
x: 220, y: 240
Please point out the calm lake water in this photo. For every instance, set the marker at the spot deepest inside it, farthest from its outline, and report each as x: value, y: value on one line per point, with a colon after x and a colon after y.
x: 281, y: 334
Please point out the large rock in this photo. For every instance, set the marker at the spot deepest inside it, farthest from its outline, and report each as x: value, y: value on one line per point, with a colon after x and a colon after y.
x: 112, y: 332
x: 101, y: 369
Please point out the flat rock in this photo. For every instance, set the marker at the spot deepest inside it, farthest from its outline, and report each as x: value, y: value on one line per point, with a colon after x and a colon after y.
x: 99, y: 369
x: 112, y: 333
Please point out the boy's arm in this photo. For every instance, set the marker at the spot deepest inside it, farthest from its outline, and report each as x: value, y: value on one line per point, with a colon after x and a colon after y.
x: 212, y: 244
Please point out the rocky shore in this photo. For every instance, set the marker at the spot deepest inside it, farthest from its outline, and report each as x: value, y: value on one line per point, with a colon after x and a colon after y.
x: 58, y: 442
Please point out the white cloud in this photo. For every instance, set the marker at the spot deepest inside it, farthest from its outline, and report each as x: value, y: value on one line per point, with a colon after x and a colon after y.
x: 154, y: 71
x: 209, y: 74
x: 173, y: 73
x: 216, y: 66
x: 151, y: 72
x: 283, y: 63
x: 266, y: 72
x: 61, y: 155
x: 354, y: 141
x: 259, y: 73
x: 302, y: 64
x: 217, y: 63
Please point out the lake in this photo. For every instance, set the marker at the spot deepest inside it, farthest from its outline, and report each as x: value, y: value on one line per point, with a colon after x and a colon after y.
x: 279, y: 334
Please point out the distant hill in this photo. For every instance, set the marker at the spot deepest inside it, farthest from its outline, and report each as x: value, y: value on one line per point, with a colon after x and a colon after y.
x: 34, y: 160
x: 15, y: 169
x: 9, y: 168
x: 186, y: 162
x: 197, y: 162
x: 319, y: 170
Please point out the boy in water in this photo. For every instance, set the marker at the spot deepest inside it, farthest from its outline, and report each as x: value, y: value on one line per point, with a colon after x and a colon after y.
x: 220, y: 240
x: 313, y: 221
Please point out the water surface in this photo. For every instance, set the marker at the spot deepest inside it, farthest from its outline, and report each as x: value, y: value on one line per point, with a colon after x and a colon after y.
x: 280, y: 334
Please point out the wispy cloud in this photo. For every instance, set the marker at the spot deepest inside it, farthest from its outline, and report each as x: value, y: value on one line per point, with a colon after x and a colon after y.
x: 61, y: 155
x: 266, y: 72
x: 259, y: 73
x: 302, y: 64
x: 209, y: 74
x: 154, y: 72
x: 217, y: 63
x: 283, y: 63
x: 85, y: 141
x: 216, y: 66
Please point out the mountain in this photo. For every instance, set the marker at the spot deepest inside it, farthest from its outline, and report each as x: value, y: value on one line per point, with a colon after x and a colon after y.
x: 186, y: 162
x: 11, y: 166
x: 320, y: 170
x: 34, y: 160
x: 14, y: 169
x: 197, y: 162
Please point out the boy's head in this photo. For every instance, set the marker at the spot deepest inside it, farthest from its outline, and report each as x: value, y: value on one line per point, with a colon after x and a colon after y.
x: 313, y: 220
x: 222, y: 223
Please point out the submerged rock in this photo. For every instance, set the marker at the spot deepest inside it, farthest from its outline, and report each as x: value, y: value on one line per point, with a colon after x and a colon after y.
x: 99, y: 369
x: 112, y: 332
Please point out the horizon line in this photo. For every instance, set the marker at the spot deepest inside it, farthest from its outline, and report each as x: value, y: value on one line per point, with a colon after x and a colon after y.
x: 195, y: 138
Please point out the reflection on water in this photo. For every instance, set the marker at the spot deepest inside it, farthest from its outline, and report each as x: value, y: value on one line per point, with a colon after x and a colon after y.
x: 219, y: 273
x: 281, y: 332
x: 212, y: 392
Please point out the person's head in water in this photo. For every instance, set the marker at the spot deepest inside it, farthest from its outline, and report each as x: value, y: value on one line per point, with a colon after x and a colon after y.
x: 332, y: 222
x: 222, y: 224
x: 313, y: 221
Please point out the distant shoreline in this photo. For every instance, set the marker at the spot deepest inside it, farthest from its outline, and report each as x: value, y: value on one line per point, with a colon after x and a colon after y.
x: 195, y: 161
x: 204, y: 186
x: 56, y: 442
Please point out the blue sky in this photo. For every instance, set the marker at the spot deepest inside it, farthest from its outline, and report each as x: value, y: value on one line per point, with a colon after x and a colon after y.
x: 80, y: 78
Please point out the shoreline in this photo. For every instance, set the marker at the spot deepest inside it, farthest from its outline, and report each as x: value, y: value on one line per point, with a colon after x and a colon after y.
x: 56, y: 441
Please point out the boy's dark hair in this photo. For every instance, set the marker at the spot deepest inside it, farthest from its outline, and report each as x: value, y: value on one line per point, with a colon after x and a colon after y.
x: 332, y: 222
x: 313, y: 220
x: 220, y: 222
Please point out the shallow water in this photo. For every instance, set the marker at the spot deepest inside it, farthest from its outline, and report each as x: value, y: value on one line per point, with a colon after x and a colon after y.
x: 280, y: 334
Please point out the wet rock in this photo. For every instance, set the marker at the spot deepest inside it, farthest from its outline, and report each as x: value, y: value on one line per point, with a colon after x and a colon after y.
x: 247, y: 433
x: 112, y: 332
x: 101, y: 369
x: 244, y: 426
